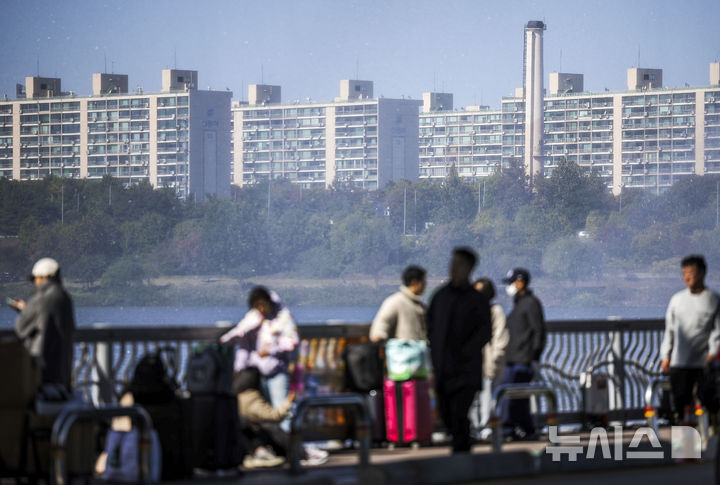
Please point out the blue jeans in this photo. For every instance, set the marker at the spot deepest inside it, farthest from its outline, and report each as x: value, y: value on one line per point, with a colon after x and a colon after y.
x: 516, y: 412
x: 275, y: 389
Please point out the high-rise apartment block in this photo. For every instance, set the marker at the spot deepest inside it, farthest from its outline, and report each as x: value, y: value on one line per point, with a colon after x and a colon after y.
x: 354, y: 141
x: 641, y: 138
x: 645, y: 137
x: 179, y: 137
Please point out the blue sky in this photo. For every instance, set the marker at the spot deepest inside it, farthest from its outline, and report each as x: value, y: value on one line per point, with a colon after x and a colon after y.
x: 470, y: 48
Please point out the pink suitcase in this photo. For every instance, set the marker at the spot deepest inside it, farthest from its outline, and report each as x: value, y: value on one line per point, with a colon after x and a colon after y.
x: 408, y: 417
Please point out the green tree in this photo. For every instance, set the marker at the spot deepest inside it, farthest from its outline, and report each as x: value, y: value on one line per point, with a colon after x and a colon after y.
x: 363, y: 244
x: 507, y: 190
x: 457, y: 202
x: 123, y: 273
x: 572, y: 193
x: 570, y: 258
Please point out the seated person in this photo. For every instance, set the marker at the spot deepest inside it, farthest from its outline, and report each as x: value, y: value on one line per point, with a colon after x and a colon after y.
x: 260, y: 424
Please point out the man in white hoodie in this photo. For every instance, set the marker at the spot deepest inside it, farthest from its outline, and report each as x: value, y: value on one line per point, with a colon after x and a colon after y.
x: 692, y: 334
x: 402, y: 314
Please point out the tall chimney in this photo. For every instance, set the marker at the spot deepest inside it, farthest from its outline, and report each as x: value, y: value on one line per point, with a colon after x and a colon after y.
x: 533, y: 84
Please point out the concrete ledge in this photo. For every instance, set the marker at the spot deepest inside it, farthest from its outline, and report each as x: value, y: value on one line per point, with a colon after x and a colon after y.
x: 463, y: 467
x: 511, y: 464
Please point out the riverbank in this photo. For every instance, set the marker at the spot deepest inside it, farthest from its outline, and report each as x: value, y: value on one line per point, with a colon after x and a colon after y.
x: 631, y: 290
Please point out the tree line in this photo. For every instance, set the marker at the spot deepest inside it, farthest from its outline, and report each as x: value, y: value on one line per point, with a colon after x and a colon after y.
x: 567, y: 227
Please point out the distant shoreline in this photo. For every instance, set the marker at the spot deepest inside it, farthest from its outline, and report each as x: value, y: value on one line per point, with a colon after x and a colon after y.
x: 354, y: 291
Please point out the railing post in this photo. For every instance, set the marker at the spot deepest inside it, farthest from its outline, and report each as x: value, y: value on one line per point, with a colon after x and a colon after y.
x: 102, y: 372
x: 616, y: 386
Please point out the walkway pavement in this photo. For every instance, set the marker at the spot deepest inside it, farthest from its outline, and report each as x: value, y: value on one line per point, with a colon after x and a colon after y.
x: 521, y: 463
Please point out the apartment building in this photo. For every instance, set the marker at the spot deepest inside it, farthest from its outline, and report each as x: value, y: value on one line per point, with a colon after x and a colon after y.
x: 177, y: 138
x: 647, y: 137
x: 476, y: 140
x: 355, y: 141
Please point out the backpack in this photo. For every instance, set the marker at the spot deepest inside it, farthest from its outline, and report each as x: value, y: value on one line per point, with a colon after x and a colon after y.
x: 364, y: 368
x: 210, y: 369
x: 151, y: 383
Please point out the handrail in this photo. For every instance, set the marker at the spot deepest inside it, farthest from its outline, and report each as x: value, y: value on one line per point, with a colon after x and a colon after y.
x: 72, y: 413
x: 517, y: 391
x: 351, y: 401
x: 105, y: 357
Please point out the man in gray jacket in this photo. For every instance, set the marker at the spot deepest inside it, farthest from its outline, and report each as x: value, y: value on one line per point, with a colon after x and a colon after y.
x: 402, y: 314
x: 692, y: 334
x: 46, y: 323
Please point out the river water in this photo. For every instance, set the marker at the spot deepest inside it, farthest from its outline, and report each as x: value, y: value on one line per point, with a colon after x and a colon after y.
x: 199, y: 316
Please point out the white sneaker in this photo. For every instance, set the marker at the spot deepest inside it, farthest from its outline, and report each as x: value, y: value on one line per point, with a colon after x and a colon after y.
x: 263, y: 458
x: 314, y: 456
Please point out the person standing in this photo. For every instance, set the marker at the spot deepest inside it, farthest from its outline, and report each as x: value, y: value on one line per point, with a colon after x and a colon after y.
x: 402, y: 314
x: 267, y: 336
x: 692, y: 334
x: 493, y: 357
x: 46, y: 324
x: 526, y: 327
x: 459, y: 326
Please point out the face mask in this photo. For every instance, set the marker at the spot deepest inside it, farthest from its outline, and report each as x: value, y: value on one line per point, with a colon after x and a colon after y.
x: 511, y: 290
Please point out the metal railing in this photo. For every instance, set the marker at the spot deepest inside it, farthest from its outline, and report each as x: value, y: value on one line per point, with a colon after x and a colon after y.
x: 507, y: 392
x: 627, y: 351
x: 361, y: 432
x: 71, y: 414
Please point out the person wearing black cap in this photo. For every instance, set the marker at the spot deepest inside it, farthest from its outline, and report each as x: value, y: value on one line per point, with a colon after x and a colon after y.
x: 46, y: 323
x: 526, y: 325
x: 458, y: 323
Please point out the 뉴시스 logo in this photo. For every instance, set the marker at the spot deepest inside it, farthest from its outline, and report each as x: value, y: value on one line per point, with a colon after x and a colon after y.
x: 686, y: 444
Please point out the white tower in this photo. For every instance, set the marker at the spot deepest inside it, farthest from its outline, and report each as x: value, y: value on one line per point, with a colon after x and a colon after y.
x: 533, y: 91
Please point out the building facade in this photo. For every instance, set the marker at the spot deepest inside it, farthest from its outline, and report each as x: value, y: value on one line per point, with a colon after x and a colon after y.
x: 355, y: 141
x: 178, y: 138
x: 647, y: 137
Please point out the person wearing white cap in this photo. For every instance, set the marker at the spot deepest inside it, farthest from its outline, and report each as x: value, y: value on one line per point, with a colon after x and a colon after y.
x: 46, y: 323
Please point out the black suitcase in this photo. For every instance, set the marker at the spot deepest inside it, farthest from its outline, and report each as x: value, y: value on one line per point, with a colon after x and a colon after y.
x: 171, y: 420
x: 216, y: 443
x: 376, y: 407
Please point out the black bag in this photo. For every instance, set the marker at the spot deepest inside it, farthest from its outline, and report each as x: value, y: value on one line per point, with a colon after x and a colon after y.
x: 210, y: 369
x: 217, y: 441
x: 708, y: 391
x: 172, y: 422
x: 364, y: 369
x: 151, y: 383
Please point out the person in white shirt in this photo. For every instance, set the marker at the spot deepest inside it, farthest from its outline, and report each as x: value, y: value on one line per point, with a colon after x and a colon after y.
x: 692, y: 334
x: 402, y: 314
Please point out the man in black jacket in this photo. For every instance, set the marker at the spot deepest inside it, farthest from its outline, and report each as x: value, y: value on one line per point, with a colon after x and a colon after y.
x: 526, y: 325
x: 458, y: 323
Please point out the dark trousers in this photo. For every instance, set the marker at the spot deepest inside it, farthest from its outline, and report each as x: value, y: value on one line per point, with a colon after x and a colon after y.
x: 516, y: 412
x: 682, y: 384
x: 266, y: 434
x: 454, y: 409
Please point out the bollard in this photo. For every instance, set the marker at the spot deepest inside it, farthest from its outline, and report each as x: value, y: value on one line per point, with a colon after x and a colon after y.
x: 650, y: 394
x: 703, y: 424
